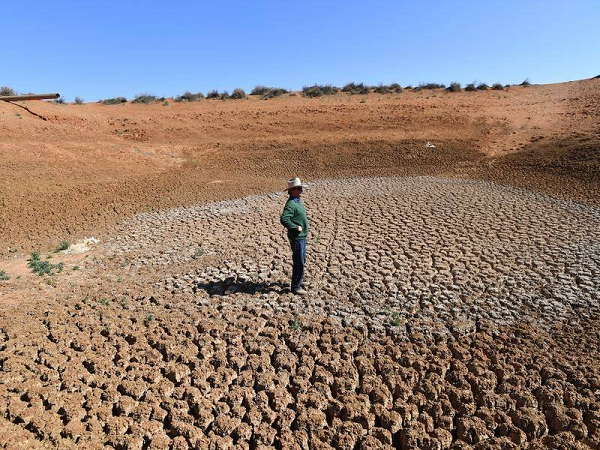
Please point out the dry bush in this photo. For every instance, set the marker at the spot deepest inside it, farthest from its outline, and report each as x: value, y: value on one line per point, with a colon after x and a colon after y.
x: 356, y: 88
x: 6, y: 91
x: 187, y: 96
x: 454, y: 87
x: 113, y: 101
x: 238, y: 94
x: 214, y: 94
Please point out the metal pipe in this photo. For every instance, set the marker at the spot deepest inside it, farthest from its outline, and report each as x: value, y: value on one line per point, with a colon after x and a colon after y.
x: 16, y: 98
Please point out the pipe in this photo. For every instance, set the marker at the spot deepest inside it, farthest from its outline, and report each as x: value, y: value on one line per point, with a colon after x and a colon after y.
x: 16, y: 98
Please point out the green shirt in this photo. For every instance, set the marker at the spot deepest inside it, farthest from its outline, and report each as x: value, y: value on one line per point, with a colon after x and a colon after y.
x: 293, y: 215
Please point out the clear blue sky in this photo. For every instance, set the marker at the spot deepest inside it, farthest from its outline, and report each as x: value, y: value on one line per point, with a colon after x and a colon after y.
x: 98, y: 49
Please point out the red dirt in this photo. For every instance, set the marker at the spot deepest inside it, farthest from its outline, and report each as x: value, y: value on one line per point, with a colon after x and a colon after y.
x: 88, y: 166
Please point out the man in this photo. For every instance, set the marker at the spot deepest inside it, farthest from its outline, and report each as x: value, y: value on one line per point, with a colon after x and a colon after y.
x: 295, y: 220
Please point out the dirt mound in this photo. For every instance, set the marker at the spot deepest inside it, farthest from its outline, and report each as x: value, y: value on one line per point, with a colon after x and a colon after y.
x: 90, y: 165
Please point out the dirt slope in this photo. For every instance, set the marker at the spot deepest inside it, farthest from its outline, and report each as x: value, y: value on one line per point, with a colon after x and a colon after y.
x: 87, y: 166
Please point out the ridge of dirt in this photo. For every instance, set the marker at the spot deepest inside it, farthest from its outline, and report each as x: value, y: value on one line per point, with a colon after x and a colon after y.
x: 92, y: 165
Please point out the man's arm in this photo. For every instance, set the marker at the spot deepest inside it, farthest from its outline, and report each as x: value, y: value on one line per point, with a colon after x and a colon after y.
x: 286, y: 217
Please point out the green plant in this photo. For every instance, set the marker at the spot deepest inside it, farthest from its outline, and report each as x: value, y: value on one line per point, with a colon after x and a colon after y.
x: 396, y: 320
x: 149, y: 318
x: 454, y: 87
x: 78, y: 100
x: 224, y: 95
x: 59, y: 101
x: 295, y: 325
x: 76, y: 267
x: 114, y: 101
x: 497, y: 87
x: 6, y: 91
x: 525, y: 82
x: 40, y: 267
x: 364, y: 100
x: 64, y: 245
x: 470, y: 87
x: 18, y: 114
x: 430, y: 86
x: 199, y: 251
x: 238, y: 94
x: 4, y: 276
x: 482, y: 87
x: 104, y: 301
x: 123, y: 302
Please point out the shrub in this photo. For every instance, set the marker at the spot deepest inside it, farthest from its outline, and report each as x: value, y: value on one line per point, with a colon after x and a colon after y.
x: 147, y: 98
x: 78, y: 100
x: 4, y: 276
x: 319, y: 90
x: 597, y: 76
x: 470, y: 87
x: 354, y: 88
x: 238, y: 94
x: 189, y: 97
x: 40, y: 267
x: 64, y: 245
x: 409, y: 87
x: 274, y: 92
x: 382, y: 89
x: 259, y: 90
x: 6, y: 91
x: 114, y: 101
x: 482, y: 87
x: 395, y: 87
x: 224, y: 95
x: 497, y: 87
x: 454, y: 87
x: 431, y: 86
x: 213, y: 94
x: 525, y: 82
x: 59, y: 101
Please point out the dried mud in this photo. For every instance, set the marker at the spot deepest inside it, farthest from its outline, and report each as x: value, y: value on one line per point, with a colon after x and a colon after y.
x: 441, y: 314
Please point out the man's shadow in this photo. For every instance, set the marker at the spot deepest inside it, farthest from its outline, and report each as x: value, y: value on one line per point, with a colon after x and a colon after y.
x: 230, y: 286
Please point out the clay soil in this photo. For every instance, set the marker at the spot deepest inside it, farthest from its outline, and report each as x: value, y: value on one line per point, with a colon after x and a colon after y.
x: 453, y: 290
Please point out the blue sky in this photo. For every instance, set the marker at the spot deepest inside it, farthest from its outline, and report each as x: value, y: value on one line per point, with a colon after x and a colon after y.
x: 98, y: 49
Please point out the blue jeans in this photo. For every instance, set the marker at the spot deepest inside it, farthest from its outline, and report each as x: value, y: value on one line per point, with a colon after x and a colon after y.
x: 298, y: 260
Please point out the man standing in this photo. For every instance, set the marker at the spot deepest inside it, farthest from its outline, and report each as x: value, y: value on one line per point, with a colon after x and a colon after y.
x: 295, y: 220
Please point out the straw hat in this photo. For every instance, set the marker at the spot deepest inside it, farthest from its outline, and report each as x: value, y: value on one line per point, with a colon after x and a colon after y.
x: 295, y: 182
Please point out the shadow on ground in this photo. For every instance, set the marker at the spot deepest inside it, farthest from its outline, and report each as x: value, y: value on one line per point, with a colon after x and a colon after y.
x: 231, y: 285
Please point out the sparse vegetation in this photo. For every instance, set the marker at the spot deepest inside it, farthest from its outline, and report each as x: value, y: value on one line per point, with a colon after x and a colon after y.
x: 482, y: 87
x: 497, y: 87
x: 64, y: 245
x: 470, y: 87
x: 268, y: 92
x: 454, y: 87
x: 430, y: 86
x: 4, y: 276
x: 525, y: 82
x: 354, y: 88
x: 238, y: 94
x: 149, y: 318
x: 59, y: 101
x: 225, y: 95
x: 114, y: 101
x: 395, y: 87
x: 382, y: 89
x: 396, y: 320
x: 76, y: 267
x: 147, y: 98
x: 189, y: 97
x: 6, y: 91
x: 319, y: 90
x: 18, y: 114
x: 214, y: 94
x: 41, y: 268
x: 78, y: 100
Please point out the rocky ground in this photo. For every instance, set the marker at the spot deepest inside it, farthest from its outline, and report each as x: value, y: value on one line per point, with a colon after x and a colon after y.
x: 442, y: 313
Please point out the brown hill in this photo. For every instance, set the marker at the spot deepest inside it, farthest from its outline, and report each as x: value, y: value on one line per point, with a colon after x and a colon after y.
x: 87, y: 166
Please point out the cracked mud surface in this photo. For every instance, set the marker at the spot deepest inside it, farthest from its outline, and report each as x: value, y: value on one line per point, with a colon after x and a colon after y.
x: 441, y: 313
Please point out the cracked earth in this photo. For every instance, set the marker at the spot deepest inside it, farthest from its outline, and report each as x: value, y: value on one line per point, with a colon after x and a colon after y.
x: 442, y: 313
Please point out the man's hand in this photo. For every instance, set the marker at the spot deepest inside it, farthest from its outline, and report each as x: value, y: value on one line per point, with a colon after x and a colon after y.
x: 299, y: 228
